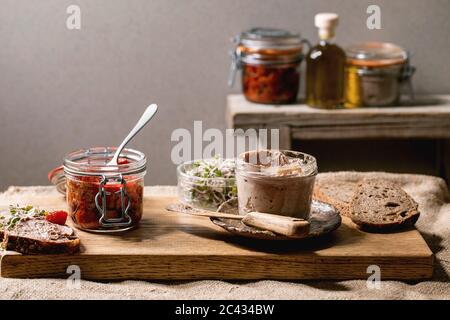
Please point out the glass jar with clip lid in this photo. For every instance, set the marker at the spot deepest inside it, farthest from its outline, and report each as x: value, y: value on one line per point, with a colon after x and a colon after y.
x: 270, y: 63
x: 104, y: 198
x: 375, y: 74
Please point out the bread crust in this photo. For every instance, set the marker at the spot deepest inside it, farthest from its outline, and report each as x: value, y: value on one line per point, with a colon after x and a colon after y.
x: 32, y: 242
x: 33, y: 246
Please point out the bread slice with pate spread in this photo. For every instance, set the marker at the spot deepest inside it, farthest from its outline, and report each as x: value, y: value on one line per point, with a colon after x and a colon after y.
x: 26, y: 230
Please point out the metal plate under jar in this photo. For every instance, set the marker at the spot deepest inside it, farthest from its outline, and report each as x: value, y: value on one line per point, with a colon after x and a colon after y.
x: 324, y: 218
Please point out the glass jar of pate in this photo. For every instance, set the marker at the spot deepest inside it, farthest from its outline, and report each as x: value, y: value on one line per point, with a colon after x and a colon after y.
x: 276, y: 181
x: 270, y: 63
x: 104, y: 198
x: 375, y: 74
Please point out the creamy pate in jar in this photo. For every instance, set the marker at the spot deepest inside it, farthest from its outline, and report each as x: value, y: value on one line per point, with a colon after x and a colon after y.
x: 276, y: 181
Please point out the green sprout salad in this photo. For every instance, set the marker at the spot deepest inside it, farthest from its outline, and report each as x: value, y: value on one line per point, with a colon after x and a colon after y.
x: 207, y: 183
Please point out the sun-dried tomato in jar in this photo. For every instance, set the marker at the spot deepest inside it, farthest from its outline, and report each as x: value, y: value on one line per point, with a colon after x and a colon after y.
x: 270, y: 62
x: 271, y: 83
x: 104, y: 198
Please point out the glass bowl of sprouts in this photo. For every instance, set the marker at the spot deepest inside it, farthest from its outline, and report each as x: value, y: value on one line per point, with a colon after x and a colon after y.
x: 207, y: 183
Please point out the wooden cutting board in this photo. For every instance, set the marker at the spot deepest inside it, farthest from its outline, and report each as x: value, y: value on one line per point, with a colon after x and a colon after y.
x: 174, y: 246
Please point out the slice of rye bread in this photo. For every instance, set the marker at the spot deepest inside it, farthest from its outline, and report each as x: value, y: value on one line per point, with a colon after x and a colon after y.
x: 39, y: 236
x: 380, y: 205
x: 338, y: 193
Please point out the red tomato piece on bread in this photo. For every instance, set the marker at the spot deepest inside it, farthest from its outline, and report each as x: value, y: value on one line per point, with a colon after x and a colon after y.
x: 57, y: 217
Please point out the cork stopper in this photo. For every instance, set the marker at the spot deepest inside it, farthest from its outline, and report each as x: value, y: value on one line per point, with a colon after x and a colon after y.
x: 326, y: 22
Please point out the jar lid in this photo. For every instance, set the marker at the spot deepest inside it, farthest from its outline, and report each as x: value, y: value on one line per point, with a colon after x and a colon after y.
x: 92, y: 162
x: 266, y: 46
x: 376, y: 54
x: 266, y: 38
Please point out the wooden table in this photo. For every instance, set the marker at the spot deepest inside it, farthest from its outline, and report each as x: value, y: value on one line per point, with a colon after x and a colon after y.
x: 428, y: 118
x: 429, y: 192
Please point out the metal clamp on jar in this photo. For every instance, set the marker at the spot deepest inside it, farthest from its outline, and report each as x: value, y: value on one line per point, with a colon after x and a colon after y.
x: 124, y: 219
x: 270, y: 63
x: 375, y: 74
x: 101, y: 197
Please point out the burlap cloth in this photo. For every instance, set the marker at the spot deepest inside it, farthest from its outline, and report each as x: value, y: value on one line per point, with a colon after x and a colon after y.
x: 430, y: 192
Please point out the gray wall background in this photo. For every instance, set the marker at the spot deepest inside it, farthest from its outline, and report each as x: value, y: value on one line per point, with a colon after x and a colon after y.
x: 61, y: 90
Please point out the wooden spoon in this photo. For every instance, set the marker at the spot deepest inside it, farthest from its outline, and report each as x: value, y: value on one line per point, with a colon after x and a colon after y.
x: 287, y: 226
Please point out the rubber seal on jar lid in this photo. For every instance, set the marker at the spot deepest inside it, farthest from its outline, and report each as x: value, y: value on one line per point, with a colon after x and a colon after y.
x: 376, y: 54
x: 257, y: 59
x: 58, y: 179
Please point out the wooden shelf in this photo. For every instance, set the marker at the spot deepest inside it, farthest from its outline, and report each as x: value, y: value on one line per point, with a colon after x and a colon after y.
x: 428, y: 117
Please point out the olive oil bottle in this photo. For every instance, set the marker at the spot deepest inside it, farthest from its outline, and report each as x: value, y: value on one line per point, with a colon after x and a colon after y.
x: 325, y: 65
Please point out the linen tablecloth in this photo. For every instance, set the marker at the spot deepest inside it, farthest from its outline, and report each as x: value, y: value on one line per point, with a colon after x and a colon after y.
x: 430, y: 192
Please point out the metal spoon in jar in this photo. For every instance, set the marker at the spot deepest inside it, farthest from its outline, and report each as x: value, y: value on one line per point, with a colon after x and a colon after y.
x: 145, y: 118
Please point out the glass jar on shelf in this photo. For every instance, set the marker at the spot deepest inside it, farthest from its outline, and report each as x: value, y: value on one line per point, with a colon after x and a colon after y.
x: 270, y: 63
x: 375, y: 74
